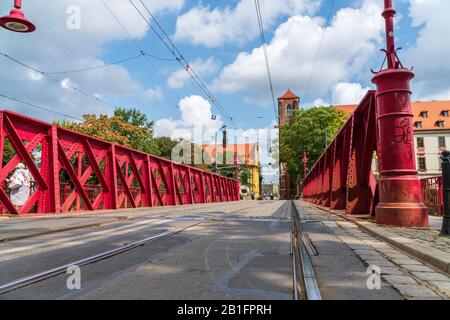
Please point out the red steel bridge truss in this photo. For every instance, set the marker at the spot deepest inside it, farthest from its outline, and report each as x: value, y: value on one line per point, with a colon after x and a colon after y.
x: 342, y: 178
x: 383, y: 122
x: 76, y: 172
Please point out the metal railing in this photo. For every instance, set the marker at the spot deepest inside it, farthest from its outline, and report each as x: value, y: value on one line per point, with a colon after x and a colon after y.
x: 124, y: 178
x: 433, y: 194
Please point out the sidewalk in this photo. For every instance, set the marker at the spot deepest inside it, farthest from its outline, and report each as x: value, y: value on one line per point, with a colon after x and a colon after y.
x: 424, y: 244
x: 414, y: 269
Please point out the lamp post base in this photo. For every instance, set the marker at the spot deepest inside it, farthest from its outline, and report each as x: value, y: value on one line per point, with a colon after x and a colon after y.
x: 402, y: 215
x: 401, y: 202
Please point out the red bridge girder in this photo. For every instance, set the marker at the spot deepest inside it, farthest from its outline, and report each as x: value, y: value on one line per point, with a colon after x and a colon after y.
x: 342, y: 178
x: 76, y: 172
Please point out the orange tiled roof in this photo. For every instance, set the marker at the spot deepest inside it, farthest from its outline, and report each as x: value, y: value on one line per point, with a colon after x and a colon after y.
x: 433, y: 109
x: 247, y: 151
x: 288, y: 95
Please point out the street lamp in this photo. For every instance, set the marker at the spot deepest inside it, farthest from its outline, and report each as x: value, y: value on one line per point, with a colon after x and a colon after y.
x: 215, y: 146
x: 305, y: 161
x: 16, y: 20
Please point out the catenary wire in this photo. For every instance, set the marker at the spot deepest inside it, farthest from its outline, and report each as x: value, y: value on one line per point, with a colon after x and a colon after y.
x: 181, y: 60
x: 39, y: 107
x: 316, y: 59
x: 266, y: 56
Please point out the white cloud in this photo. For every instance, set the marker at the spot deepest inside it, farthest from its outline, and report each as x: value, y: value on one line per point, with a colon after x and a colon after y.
x: 154, y: 93
x: 350, y: 41
x: 316, y: 103
x: 348, y: 93
x: 431, y: 52
x: 213, y: 27
x: 66, y: 83
x: 53, y: 47
x: 32, y: 75
x: 202, y: 67
x: 195, y: 121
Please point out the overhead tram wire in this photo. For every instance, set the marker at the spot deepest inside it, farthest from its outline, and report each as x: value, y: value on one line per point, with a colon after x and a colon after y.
x: 138, y: 47
x: 319, y: 49
x: 181, y: 60
x: 93, y: 97
x: 266, y: 56
x: 39, y: 107
x: 105, y: 65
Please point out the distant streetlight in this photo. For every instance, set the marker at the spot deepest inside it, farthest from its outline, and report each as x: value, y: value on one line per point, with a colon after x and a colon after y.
x: 16, y: 20
x: 215, y: 146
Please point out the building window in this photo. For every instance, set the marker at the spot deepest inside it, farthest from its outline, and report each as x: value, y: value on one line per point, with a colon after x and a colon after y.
x: 439, y: 124
x: 422, y: 164
x: 420, y: 142
x: 441, y: 142
x: 418, y: 124
x: 444, y: 113
x: 289, y: 110
x: 424, y: 114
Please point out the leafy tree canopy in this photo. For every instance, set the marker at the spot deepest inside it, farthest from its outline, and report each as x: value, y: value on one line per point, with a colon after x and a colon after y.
x: 130, y: 128
x: 165, y: 146
x: 306, y: 131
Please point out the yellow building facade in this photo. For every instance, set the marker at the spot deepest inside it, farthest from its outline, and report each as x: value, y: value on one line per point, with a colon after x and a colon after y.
x: 248, y: 154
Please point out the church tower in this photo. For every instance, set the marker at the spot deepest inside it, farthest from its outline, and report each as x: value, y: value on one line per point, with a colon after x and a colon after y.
x: 287, y: 103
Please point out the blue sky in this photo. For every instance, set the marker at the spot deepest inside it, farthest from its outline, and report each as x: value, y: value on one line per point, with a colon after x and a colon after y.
x: 221, y: 41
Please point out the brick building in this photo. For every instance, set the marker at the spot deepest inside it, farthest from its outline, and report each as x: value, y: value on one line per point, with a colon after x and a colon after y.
x: 287, y: 103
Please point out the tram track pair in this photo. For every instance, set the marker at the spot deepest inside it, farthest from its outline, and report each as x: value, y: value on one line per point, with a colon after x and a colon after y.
x: 304, y: 280
x: 26, y: 281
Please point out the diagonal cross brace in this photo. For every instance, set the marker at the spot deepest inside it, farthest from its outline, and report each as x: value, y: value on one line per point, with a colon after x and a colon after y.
x: 23, y: 153
x: 125, y: 185
x: 136, y: 170
x: 74, y: 177
x: 93, y: 162
x: 156, y: 188
x: 7, y: 203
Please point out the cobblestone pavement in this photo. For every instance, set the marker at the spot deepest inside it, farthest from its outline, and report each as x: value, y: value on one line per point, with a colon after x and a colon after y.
x: 410, y: 277
x: 429, y: 237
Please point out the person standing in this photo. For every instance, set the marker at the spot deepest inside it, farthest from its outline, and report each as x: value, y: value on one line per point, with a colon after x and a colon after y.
x: 20, y: 186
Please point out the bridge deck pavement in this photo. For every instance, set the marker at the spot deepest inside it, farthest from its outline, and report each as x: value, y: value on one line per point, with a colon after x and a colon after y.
x: 13, y: 228
x: 241, y: 252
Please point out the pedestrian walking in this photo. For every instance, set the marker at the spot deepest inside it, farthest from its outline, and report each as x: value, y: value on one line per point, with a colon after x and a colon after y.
x: 20, y: 186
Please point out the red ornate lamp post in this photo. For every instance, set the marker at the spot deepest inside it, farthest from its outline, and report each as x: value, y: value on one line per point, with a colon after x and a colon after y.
x: 305, y: 160
x: 401, y: 198
x: 236, y: 165
x: 16, y: 20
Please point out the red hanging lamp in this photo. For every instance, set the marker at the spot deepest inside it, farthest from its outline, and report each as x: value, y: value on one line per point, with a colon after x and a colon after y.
x: 16, y: 20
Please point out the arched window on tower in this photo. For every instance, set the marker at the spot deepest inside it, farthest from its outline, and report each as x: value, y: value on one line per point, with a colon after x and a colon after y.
x: 289, y: 110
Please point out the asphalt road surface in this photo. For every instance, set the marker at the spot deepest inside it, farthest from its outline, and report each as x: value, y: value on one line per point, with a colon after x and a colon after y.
x: 239, y: 250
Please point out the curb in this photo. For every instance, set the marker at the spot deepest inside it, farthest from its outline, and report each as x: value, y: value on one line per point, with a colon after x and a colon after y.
x: 424, y: 253
x: 43, y: 233
x: 83, y: 214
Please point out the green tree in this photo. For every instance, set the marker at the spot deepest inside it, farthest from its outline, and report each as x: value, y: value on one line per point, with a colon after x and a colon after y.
x: 8, y: 151
x: 130, y: 128
x: 113, y: 129
x: 135, y: 117
x: 165, y: 146
x: 308, y: 130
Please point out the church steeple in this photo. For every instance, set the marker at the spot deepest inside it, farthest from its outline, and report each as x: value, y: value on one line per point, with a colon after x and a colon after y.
x: 287, y: 103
